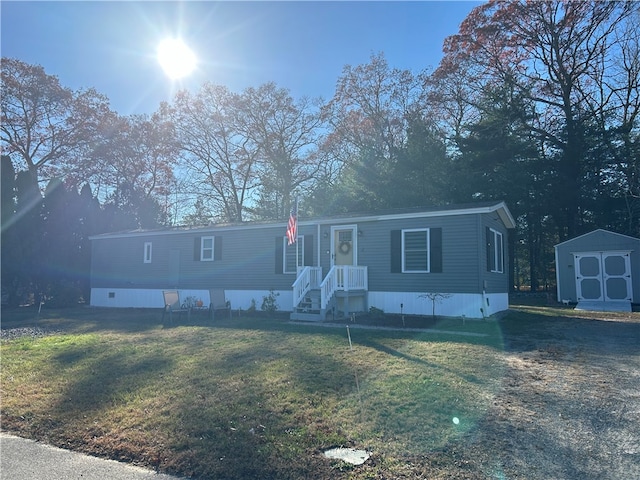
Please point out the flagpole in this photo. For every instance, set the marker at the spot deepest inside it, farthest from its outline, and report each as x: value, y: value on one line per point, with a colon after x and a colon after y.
x: 297, y: 216
x: 292, y: 229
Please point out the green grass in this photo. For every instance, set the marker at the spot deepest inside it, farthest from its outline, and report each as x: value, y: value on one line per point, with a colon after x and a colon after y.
x: 245, y: 398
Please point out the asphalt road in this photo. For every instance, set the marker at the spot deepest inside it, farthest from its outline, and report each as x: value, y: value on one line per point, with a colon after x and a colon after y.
x: 22, y: 459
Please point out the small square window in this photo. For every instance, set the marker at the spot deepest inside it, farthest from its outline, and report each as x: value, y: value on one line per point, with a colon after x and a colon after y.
x: 495, y: 251
x: 147, y: 252
x: 206, y: 249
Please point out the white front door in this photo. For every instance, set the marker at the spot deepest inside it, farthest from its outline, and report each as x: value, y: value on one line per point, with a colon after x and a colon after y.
x: 603, y: 276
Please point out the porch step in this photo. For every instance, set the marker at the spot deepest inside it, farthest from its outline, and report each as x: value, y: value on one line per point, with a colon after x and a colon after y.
x: 311, y: 301
x: 309, y: 308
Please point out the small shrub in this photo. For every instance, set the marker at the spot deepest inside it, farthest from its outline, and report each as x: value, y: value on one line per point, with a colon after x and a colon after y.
x: 252, y: 307
x: 436, y: 297
x: 270, y: 302
x: 376, y: 312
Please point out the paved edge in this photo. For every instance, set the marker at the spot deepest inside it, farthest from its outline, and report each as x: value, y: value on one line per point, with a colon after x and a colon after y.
x: 25, y: 459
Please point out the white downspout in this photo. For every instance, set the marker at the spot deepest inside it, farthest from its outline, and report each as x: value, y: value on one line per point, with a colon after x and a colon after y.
x: 318, y: 247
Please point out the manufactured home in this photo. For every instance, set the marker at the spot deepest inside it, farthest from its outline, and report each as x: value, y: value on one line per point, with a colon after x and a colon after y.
x: 338, y: 266
x: 599, y: 270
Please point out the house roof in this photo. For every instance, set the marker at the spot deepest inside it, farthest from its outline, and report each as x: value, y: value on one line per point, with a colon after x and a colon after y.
x: 594, y: 232
x: 500, y: 208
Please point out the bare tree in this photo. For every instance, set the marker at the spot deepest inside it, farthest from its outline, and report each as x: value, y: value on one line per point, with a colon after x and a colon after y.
x: 218, y: 157
x: 138, y: 150
x: 45, y: 126
x: 287, y: 133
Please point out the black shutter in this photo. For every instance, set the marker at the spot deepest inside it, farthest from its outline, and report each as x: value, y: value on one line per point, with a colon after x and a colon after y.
x: 396, y: 251
x: 435, y: 252
x: 279, y: 254
x: 196, y: 249
x: 217, y: 248
x: 308, y: 251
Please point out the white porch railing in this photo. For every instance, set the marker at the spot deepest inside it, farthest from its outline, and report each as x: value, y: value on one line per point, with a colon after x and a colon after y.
x: 344, y: 278
x: 308, y: 279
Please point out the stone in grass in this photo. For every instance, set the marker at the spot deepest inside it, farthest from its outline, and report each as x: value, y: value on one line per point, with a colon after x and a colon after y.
x: 349, y: 455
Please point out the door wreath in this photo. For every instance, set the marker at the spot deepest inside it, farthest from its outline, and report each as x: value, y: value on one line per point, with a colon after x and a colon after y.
x: 345, y: 247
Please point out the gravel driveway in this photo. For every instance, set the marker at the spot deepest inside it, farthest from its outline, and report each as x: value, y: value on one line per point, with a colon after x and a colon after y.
x: 569, y: 406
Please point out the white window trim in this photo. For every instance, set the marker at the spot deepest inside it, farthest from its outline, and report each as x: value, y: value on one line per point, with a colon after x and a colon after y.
x: 427, y: 233
x: 203, y: 250
x: 148, y: 250
x: 300, y: 243
x: 498, y: 251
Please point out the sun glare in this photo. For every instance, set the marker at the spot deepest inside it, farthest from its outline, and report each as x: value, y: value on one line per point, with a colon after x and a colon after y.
x: 176, y: 58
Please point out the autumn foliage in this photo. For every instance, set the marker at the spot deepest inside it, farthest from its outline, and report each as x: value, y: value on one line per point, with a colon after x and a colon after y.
x: 534, y: 102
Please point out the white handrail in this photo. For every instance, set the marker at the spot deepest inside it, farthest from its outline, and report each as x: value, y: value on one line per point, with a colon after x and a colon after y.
x: 308, y: 278
x: 327, y: 288
x: 345, y: 278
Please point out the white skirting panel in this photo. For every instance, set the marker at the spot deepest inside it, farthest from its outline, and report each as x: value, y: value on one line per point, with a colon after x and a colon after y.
x: 151, y: 298
x: 454, y: 305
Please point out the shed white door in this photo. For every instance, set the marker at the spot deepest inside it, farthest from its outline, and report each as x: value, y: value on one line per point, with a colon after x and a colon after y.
x: 603, y: 276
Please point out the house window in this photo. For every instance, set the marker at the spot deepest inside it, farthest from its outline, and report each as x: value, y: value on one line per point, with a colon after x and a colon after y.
x: 345, y: 236
x: 495, y: 251
x: 289, y: 257
x: 206, y: 249
x: 415, y: 251
x: 147, y: 252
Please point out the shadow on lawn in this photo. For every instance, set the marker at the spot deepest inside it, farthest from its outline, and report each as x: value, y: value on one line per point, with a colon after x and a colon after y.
x: 105, y: 376
x: 437, y: 367
x: 82, y: 319
x: 522, y: 328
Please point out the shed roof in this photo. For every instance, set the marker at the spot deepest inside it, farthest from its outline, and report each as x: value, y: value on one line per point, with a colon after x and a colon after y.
x: 599, y: 231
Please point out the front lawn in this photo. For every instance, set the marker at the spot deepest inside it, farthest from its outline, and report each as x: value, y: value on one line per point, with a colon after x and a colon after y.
x: 262, y: 398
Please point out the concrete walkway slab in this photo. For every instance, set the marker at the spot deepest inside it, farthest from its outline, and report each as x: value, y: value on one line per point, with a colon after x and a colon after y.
x: 22, y: 459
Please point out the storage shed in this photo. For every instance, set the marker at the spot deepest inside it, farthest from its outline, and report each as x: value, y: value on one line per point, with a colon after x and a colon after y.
x: 599, y: 271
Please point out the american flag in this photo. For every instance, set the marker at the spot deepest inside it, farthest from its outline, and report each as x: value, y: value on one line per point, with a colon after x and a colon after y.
x: 292, y: 227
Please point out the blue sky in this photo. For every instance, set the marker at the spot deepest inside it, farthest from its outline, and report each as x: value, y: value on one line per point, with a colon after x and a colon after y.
x: 301, y: 46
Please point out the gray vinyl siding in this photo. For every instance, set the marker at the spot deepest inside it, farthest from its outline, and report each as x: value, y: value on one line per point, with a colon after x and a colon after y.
x: 459, y: 257
x: 247, y: 260
x: 462, y: 255
x: 493, y: 282
x: 248, y: 256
